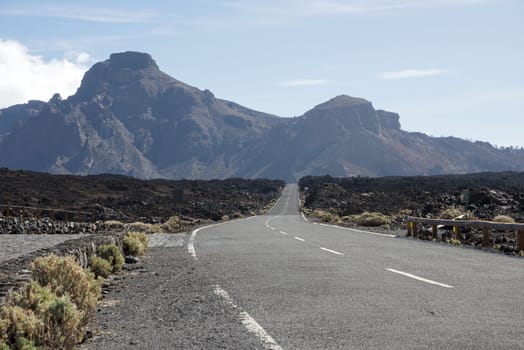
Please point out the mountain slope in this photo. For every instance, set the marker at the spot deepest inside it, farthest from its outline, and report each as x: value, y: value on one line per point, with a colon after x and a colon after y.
x: 128, y: 117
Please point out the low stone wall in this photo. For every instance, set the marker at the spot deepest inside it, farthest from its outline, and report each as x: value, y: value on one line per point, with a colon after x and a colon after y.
x: 14, y: 273
x: 18, y: 225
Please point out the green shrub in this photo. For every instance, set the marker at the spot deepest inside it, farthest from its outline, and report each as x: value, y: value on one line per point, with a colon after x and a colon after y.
x: 25, y: 344
x: 142, y: 237
x: 135, y: 243
x: 63, y: 324
x: 372, y: 219
x: 100, y: 266
x: 504, y: 219
x: 52, y: 310
x: 113, y: 255
x: 17, y: 322
x: 64, y: 277
x: 133, y: 246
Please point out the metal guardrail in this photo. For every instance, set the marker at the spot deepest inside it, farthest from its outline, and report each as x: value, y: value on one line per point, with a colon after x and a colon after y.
x: 52, y: 213
x: 486, y: 227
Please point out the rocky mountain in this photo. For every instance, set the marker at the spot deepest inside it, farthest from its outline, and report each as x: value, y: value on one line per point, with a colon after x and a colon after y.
x: 128, y: 117
x: 15, y: 116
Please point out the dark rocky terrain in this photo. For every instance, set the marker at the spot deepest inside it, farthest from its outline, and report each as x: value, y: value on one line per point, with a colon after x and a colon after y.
x: 117, y: 197
x: 490, y: 194
x: 128, y: 117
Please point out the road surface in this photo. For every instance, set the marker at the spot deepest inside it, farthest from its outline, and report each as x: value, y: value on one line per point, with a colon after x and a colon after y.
x: 298, y: 285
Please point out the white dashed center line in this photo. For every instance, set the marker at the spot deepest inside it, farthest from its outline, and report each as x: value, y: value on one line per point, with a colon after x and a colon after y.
x: 299, y: 239
x: 331, y: 251
x: 249, y: 322
x: 419, y: 278
x: 284, y: 233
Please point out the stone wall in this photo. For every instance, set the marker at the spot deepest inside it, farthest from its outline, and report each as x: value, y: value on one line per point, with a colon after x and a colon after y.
x: 14, y: 273
x: 26, y: 225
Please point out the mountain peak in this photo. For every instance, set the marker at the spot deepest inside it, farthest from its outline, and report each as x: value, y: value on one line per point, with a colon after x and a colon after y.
x: 132, y: 60
x: 342, y: 101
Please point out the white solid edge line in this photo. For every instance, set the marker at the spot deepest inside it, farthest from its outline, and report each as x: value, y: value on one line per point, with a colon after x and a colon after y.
x: 299, y: 239
x: 191, y: 242
x: 249, y: 322
x: 331, y: 251
x: 353, y: 229
x: 419, y: 278
x: 303, y: 216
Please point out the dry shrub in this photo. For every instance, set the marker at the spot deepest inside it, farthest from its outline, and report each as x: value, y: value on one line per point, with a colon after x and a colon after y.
x: 172, y: 224
x: 451, y: 213
x: 372, y: 219
x: 142, y: 237
x: 17, y: 322
x: 113, y: 255
x: 100, y: 266
x: 135, y: 243
x: 225, y: 217
x: 325, y: 216
x: 64, y: 277
x: 504, y: 219
x: 114, y: 224
x: 39, y: 316
x: 143, y: 227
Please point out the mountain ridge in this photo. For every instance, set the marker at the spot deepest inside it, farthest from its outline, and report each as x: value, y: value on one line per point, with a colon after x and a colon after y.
x: 128, y: 117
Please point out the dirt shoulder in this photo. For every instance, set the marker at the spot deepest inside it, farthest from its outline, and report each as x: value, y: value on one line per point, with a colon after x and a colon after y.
x: 166, y: 302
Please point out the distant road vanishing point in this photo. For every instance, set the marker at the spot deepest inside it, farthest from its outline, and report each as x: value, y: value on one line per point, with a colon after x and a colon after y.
x: 299, y: 285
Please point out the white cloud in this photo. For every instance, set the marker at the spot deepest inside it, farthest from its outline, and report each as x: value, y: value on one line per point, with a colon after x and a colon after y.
x: 305, y: 82
x: 411, y: 73
x: 25, y: 76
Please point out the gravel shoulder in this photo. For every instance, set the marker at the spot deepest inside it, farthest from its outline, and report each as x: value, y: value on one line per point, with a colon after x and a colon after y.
x: 166, y: 302
x: 13, y: 246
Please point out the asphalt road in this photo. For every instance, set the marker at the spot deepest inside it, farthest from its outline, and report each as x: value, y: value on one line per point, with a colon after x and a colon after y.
x: 298, y: 285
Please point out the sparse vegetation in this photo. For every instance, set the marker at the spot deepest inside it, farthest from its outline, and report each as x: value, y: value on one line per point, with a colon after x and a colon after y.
x: 172, y: 224
x: 504, y: 219
x: 112, y: 254
x: 372, y: 219
x: 451, y: 213
x: 114, y: 224
x: 135, y: 243
x: 63, y: 276
x: 52, y: 310
x: 143, y: 227
x: 100, y: 266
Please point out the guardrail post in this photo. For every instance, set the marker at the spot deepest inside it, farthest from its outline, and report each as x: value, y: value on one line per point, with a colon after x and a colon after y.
x: 485, y: 237
x: 456, y: 233
x: 434, y: 230
x: 414, y: 229
x: 410, y: 233
x: 520, y: 240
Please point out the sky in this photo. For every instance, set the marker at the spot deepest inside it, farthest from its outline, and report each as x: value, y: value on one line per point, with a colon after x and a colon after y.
x: 447, y: 67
